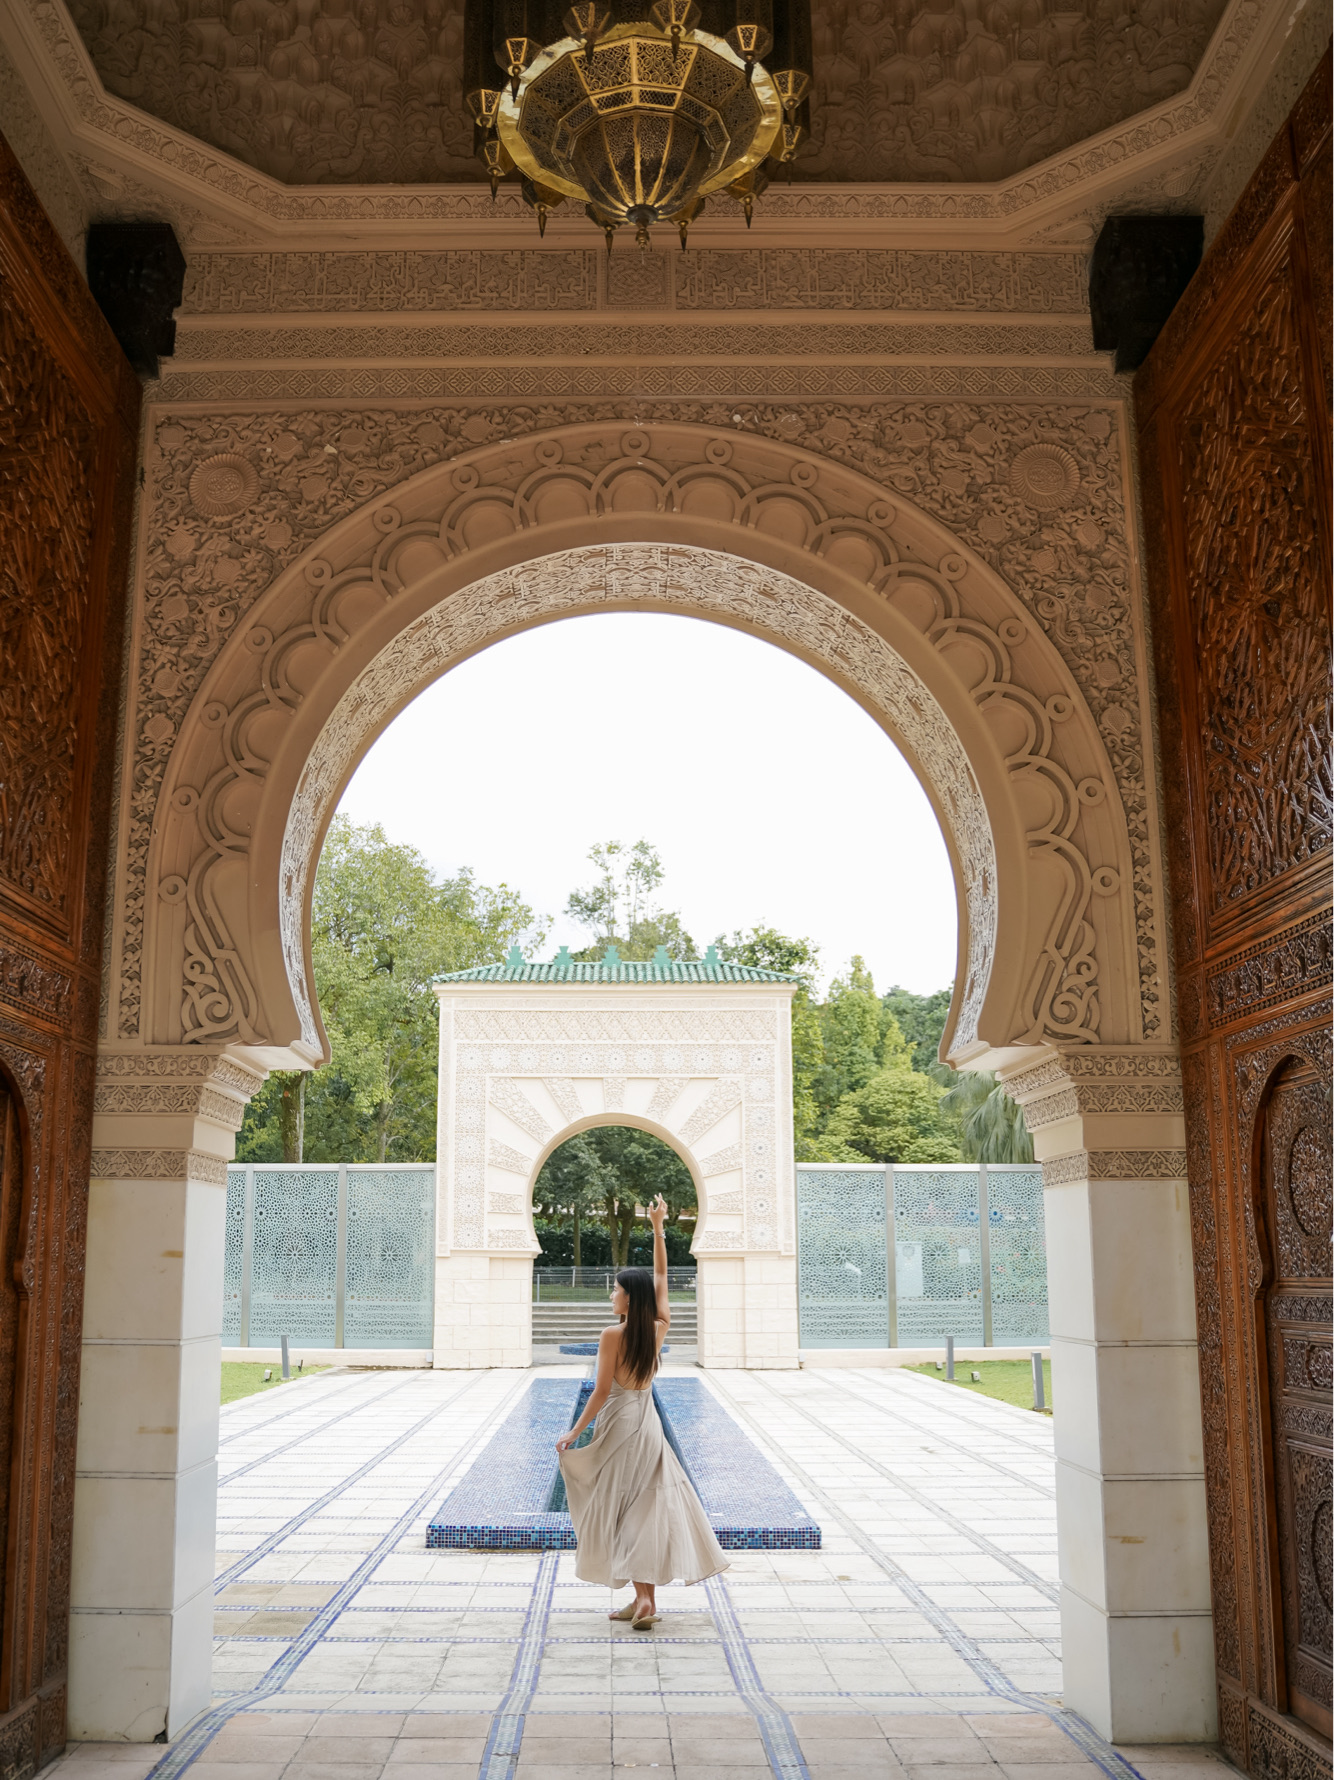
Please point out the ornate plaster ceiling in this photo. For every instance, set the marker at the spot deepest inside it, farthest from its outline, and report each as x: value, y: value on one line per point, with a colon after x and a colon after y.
x: 366, y: 92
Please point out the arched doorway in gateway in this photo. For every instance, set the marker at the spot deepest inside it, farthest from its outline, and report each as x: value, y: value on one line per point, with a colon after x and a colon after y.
x: 1052, y: 833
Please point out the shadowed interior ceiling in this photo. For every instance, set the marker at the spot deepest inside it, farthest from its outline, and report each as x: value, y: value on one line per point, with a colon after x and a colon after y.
x: 367, y: 92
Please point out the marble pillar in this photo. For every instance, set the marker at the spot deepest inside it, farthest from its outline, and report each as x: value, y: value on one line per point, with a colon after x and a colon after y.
x: 145, y: 1497
x: 1136, y: 1625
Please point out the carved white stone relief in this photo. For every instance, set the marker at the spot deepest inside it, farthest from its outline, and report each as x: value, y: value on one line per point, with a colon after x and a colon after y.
x: 1087, y: 614
x: 1071, y: 567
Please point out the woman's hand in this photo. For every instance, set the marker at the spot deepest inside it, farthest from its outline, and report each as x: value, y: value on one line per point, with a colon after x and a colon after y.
x: 566, y: 1441
x: 657, y: 1213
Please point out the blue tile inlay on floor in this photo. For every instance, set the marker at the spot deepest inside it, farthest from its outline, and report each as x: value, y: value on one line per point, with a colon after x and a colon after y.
x: 511, y: 1498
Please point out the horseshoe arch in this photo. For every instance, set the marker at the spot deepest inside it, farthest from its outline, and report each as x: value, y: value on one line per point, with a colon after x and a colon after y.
x: 598, y: 516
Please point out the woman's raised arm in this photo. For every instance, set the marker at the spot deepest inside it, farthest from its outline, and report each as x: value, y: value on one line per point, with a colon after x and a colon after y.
x: 657, y: 1216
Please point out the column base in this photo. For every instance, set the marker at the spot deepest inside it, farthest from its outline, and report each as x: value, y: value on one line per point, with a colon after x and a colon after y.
x: 1139, y: 1678
x: 135, y: 1675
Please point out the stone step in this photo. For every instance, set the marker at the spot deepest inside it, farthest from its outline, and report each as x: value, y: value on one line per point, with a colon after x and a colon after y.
x: 577, y: 1323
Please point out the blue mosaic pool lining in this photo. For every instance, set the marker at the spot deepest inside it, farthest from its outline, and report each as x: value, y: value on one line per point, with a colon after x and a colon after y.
x: 512, y: 1498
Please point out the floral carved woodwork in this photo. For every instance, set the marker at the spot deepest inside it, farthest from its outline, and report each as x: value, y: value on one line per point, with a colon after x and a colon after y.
x: 68, y: 414
x: 424, y: 552
x: 1260, y: 605
x: 1234, y: 425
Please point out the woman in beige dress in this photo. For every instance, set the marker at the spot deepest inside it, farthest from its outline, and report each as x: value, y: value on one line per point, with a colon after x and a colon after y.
x: 636, y: 1515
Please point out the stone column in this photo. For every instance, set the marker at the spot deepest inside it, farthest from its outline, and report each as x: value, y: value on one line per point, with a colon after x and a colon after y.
x: 145, y: 1495
x: 1136, y: 1623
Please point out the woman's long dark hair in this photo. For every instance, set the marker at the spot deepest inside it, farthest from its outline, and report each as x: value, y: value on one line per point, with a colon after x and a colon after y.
x: 639, y: 1343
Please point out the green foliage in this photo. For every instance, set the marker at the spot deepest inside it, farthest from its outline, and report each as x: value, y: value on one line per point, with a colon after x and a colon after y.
x: 607, y: 1172
x: 764, y: 948
x: 991, y: 1127
x: 922, y: 1019
x: 894, y: 1117
x: 382, y: 927
x: 877, y: 1102
x: 617, y: 907
x: 556, y: 1236
x: 850, y: 1021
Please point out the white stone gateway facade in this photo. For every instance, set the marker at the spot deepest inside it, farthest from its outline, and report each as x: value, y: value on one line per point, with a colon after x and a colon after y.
x: 698, y: 1054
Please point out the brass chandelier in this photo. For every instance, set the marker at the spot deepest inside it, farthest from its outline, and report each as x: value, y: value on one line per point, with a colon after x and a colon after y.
x: 641, y: 112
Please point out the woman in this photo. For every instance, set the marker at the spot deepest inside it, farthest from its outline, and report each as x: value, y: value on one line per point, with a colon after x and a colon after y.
x: 636, y: 1516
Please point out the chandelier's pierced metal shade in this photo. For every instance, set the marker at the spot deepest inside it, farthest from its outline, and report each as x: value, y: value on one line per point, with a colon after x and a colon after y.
x: 640, y: 109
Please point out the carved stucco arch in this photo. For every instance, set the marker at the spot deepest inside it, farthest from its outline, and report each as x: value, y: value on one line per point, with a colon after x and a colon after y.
x: 798, y: 549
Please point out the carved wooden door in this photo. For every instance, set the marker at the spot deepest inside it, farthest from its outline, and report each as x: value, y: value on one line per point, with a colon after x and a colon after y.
x: 68, y: 424
x: 1296, y: 1176
x: 1233, y: 412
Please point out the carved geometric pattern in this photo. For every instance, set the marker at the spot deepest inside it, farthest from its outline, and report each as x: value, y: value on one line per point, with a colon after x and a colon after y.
x: 310, y: 476
x: 48, y: 508
x: 562, y: 1091
x: 485, y: 280
x: 721, y: 1162
x: 722, y: 1097
x: 1258, y: 593
x: 919, y: 94
x: 510, y: 1099
x: 1233, y: 414
x: 500, y: 1155
x: 194, y: 1165
x: 1081, y: 1165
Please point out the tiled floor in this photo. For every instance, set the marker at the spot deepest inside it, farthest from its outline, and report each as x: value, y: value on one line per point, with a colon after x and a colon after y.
x: 923, y: 1636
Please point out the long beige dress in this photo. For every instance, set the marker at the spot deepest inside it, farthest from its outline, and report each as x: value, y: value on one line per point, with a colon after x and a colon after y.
x: 636, y: 1515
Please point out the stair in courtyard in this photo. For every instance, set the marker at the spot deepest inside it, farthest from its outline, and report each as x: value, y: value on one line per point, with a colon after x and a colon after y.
x: 554, y: 1323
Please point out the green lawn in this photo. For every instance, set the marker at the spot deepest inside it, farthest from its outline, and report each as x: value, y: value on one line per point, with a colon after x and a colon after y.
x: 1009, y: 1380
x: 242, y: 1378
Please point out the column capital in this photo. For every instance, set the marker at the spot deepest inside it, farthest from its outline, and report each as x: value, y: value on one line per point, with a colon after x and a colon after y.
x: 1103, y: 1114
x: 169, y: 1114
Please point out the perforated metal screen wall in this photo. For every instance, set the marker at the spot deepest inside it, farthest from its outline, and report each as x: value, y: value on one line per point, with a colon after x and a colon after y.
x: 968, y: 1256
x: 331, y: 1255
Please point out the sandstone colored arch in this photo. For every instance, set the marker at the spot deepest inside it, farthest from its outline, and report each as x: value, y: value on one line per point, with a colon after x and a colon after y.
x: 747, y: 531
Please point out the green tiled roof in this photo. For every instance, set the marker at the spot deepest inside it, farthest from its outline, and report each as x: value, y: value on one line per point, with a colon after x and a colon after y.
x: 610, y: 968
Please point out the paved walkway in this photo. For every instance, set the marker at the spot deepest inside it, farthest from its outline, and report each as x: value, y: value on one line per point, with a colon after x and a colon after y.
x: 924, y: 1636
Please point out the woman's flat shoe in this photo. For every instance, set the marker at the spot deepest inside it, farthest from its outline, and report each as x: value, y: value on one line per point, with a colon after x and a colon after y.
x: 626, y: 1612
x: 642, y: 1625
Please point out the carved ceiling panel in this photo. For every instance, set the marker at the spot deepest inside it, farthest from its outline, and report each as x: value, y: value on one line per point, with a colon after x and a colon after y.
x: 906, y: 91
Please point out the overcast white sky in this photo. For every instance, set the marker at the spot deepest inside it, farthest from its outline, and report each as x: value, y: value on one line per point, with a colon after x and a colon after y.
x: 769, y: 794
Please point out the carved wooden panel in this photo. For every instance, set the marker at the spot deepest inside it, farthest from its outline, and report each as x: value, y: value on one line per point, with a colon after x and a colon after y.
x: 68, y: 421
x: 1233, y: 417
x: 1297, y: 1209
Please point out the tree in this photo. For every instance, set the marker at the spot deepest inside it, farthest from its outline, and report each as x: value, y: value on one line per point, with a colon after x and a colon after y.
x: 617, y: 907
x: 991, y: 1127
x: 574, y: 1182
x: 618, y: 1168
x: 922, y: 1020
x: 853, y: 1029
x: 764, y: 948
x: 895, y: 1115
x: 382, y: 928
